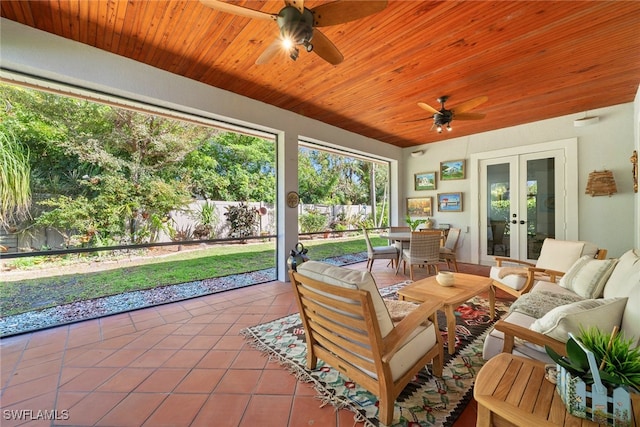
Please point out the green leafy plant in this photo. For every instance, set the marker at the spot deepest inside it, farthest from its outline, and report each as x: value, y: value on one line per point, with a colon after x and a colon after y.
x: 312, y: 221
x: 243, y: 219
x: 206, y: 217
x: 15, y: 170
x: 617, y: 358
x: 414, y: 223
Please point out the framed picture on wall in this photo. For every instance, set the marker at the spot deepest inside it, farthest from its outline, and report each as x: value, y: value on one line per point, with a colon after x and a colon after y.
x: 425, y: 181
x: 452, y: 169
x: 450, y: 202
x: 419, y: 206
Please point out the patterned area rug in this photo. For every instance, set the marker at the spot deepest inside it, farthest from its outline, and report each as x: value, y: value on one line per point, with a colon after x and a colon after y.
x: 426, y: 401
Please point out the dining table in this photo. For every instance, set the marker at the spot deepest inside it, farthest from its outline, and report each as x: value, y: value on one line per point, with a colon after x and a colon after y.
x: 405, y: 236
x: 397, y: 236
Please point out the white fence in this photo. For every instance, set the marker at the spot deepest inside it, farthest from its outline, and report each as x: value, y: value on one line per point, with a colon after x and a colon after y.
x: 186, y: 221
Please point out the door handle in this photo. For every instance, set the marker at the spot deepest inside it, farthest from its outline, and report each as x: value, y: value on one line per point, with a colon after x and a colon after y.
x: 521, y: 221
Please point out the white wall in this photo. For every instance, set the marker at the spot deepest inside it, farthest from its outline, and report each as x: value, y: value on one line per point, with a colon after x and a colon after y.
x: 608, y: 144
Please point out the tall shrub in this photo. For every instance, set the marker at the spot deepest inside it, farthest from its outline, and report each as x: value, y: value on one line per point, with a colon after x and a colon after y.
x: 15, y: 192
x: 243, y: 220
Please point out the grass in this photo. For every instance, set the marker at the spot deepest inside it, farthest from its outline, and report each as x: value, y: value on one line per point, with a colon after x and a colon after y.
x: 217, y: 261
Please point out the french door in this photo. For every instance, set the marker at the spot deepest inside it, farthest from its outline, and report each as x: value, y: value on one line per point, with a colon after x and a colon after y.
x: 522, y: 201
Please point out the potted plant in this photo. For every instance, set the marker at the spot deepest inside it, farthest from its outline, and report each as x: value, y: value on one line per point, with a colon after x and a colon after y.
x: 601, y: 370
x: 414, y: 223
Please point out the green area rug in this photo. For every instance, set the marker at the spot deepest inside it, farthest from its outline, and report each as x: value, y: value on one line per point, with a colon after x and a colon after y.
x: 426, y: 401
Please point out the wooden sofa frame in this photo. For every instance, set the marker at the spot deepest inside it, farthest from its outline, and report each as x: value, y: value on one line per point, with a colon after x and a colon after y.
x: 534, y: 274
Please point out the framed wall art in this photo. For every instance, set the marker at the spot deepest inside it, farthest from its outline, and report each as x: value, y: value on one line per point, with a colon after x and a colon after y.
x: 452, y: 169
x: 419, y: 206
x: 450, y: 202
x: 425, y: 181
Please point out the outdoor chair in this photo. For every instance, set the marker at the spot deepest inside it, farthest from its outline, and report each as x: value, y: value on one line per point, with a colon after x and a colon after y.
x: 517, y: 277
x: 424, y: 249
x: 379, y: 252
x: 348, y: 326
x: 398, y: 244
x: 448, y: 251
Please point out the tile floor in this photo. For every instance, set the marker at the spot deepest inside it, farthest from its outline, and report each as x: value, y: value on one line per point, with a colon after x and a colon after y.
x: 179, y: 364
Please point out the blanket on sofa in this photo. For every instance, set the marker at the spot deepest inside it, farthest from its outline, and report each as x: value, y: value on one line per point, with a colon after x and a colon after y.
x: 537, y: 304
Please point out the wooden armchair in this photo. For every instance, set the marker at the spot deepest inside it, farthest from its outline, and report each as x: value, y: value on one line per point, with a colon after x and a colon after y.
x: 556, y: 257
x: 348, y: 326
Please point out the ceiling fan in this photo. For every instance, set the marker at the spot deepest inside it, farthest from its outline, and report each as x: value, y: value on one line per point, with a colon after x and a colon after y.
x: 298, y: 24
x: 443, y: 117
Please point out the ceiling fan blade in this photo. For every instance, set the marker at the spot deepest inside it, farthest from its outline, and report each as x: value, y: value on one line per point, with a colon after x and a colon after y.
x: 270, y: 52
x: 468, y: 105
x: 341, y: 11
x: 325, y: 48
x: 238, y: 10
x: 298, y: 4
x: 428, y: 107
x: 469, y: 116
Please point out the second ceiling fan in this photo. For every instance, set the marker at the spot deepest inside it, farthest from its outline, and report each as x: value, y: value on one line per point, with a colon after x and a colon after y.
x: 298, y: 24
x: 442, y: 118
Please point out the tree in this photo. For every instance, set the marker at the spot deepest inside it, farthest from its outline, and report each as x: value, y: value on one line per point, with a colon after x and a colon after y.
x: 232, y: 166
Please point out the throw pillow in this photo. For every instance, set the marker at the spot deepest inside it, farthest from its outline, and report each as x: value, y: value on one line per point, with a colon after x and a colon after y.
x: 587, y: 276
x: 602, y: 313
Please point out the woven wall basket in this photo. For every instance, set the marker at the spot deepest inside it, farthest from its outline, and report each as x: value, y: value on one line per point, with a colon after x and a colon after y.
x: 601, y: 183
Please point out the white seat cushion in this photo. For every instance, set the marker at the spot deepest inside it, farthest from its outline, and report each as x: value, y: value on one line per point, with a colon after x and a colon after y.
x: 385, y: 250
x: 515, y: 281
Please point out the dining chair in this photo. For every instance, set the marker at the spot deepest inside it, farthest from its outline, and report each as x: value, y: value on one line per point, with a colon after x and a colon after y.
x: 379, y: 252
x: 448, y: 251
x: 424, y: 249
x: 398, y: 244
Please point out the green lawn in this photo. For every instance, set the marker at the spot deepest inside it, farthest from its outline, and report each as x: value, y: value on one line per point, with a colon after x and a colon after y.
x: 217, y: 261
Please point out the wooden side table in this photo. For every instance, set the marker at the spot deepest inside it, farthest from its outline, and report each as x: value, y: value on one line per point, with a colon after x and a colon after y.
x: 512, y: 391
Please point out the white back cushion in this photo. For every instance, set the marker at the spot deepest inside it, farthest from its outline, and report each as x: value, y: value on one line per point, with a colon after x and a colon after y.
x: 631, y: 317
x: 625, y: 276
x: 352, y: 279
x: 559, y: 255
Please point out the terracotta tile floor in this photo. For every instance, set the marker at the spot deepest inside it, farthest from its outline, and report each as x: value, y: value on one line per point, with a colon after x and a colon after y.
x: 179, y: 364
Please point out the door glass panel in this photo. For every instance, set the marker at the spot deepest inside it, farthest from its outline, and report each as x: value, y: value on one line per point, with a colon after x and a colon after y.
x: 541, y: 200
x: 498, y: 209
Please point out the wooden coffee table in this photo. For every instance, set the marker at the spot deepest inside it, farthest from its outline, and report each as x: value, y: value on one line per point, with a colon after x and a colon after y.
x: 511, y: 390
x: 465, y: 287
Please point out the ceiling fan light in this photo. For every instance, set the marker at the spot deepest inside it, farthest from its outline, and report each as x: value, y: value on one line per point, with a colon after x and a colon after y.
x: 439, y: 128
x: 287, y: 43
x: 448, y: 127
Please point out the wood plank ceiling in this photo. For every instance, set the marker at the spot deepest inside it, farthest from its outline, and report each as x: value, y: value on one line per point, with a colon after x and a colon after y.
x: 533, y: 59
